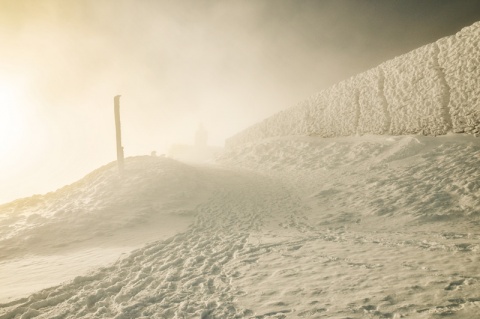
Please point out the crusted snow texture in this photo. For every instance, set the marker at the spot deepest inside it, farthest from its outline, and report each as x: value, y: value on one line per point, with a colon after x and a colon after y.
x: 432, y: 90
x: 459, y: 58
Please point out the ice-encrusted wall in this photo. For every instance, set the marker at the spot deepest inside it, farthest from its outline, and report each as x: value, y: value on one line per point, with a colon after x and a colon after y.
x: 432, y: 90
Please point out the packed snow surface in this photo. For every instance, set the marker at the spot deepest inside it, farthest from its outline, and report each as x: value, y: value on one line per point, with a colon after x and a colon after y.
x: 292, y: 227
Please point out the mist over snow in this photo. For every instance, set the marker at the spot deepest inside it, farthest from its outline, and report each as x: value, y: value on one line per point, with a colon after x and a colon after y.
x: 362, y: 201
x: 225, y: 64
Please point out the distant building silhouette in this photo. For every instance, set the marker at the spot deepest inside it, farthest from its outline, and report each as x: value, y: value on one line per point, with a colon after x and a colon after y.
x: 199, y: 152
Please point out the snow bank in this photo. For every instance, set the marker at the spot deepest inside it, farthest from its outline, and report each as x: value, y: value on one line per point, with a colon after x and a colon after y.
x: 429, y: 178
x: 152, y: 190
x: 48, y: 239
x: 297, y: 227
x: 431, y: 90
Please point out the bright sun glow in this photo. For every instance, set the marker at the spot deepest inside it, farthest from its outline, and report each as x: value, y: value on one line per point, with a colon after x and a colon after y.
x: 11, y: 116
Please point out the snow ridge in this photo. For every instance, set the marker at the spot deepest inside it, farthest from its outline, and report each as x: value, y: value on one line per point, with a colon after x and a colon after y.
x: 432, y: 90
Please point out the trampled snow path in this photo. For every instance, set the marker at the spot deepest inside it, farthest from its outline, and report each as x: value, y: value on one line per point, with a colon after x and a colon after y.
x: 182, y: 276
x: 352, y: 228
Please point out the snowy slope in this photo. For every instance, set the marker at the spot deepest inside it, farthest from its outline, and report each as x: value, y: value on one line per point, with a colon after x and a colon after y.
x: 301, y: 227
x: 47, y: 239
x: 422, y: 177
x: 100, y: 205
x: 432, y: 90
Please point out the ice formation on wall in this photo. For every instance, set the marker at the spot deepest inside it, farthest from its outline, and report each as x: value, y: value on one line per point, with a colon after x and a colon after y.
x: 432, y: 90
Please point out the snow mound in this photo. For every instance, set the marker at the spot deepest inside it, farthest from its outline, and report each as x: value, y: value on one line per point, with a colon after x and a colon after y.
x: 425, y: 177
x: 101, y: 205
x: 432, y: 90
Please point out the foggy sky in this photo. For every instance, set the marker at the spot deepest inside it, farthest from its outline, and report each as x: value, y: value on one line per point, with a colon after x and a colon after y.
x: 226, y: 64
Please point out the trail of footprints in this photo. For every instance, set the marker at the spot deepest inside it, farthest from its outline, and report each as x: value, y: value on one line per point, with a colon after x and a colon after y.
x: 182, y: 277
x: 193, y: 274
x: 459, y: 290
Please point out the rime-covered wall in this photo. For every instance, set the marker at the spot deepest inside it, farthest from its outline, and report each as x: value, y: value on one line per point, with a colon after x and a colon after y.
x: 431, y: 90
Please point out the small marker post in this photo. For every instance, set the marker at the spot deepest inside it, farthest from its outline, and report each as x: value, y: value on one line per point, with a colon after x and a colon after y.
x: 118, y: 128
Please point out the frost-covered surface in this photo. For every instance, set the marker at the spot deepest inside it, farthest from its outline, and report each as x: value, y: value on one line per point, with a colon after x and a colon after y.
x: 93, y: 221
x: 353, y: 227
x: 432, y: 90
x: 416, y: 99
x: 459, y: 57
x: 101, y: 204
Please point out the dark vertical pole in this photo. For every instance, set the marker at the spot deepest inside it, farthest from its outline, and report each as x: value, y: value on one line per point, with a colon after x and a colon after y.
x: 116, y: 102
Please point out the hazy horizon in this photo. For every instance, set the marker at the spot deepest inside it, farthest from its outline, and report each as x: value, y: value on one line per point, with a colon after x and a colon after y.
x: 224, y: 64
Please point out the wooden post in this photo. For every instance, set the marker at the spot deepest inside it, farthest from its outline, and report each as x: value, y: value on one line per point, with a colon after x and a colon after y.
x: 116, y: 102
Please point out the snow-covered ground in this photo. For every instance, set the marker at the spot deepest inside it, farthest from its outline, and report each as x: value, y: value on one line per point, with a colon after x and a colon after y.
x: 291, y: 227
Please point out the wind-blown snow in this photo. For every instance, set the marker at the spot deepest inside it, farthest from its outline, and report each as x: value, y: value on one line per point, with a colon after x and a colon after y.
x: 297, y: 227
x: 432, y: 90
x: 93, y: 221
x: 101, y: 204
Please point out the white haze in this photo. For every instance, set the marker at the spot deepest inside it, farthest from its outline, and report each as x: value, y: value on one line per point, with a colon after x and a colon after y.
x: 177, y: 64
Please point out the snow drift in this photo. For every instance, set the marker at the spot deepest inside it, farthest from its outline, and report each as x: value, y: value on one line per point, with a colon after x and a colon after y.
x: 294, y: 227
x: 432, y: 90
x: 101, y: 205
